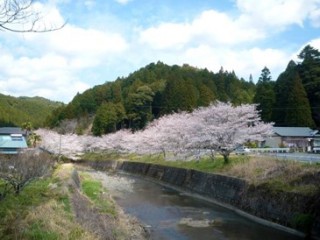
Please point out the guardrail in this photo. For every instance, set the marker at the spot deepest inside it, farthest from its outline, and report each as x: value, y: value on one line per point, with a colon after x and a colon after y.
x: 308, y: 158
x: 269, y: 150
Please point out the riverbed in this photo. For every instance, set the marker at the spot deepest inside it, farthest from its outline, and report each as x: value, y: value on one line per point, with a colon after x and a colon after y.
x: 170, y: 214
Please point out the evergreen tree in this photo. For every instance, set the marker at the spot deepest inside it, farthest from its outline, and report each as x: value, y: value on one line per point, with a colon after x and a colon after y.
x: 105, y: 120
x: 298, y: 112
x: 178, y: 96
x: 220, y: 83
x: 206, y: 96
x: 265, y: 95
x: 139, y: 107
x: 309, y: 70
x: 292, y: 106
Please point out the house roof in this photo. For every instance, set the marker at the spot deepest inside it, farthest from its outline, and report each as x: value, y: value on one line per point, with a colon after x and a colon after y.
x: 11, y: 130
x: 9, y: 142
x: 295, y: 131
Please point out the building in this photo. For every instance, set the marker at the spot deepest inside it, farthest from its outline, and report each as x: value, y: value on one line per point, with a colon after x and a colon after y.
x: 315, y: 144
x: 12, y: 140
x: 296, y: 138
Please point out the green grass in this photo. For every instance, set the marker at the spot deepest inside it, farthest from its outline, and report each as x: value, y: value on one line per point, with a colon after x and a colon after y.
x: 95, y: 191
x: 102, y: 156
x: 277, y: 175
x: 15, y: 207
x: 42, y: 210
x: 33, y: 194
x: 37, y: 231
x: 205, y: 164
x: 64, y: 199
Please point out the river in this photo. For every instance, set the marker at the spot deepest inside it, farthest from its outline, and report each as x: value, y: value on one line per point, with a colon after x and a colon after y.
x: 170, y: 214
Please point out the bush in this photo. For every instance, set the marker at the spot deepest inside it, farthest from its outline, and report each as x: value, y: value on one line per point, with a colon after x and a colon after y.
x: 18, y: 170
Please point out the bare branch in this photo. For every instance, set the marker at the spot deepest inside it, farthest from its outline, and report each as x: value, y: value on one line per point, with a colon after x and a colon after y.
x: 19, y: 16
x: 18, y: 171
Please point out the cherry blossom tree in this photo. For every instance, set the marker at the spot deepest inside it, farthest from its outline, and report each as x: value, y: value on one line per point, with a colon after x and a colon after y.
x: 223, y: 127
x: 220, y: 127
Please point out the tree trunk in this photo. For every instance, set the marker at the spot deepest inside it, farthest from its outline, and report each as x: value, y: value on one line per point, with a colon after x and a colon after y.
x: 226, y: 158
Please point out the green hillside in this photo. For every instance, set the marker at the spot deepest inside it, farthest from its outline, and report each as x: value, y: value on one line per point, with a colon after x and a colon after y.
x: 15, y: 111
x: 150, y: 92
x: 158, y: 89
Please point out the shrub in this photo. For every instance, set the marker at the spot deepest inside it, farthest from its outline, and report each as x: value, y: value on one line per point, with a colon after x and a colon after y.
x: 18, y: 170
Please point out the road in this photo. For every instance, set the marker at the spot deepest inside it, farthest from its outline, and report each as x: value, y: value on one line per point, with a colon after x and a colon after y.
x: 301, y: 157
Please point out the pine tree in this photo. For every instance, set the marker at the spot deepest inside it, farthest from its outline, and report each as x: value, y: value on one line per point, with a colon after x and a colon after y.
x: 265, y: 95
x: 298, y: 112
x: 309, y: 70
x: 292, y: 105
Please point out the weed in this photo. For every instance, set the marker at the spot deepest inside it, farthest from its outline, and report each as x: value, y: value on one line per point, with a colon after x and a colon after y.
x: 37, y: 231
x: 95, y: 191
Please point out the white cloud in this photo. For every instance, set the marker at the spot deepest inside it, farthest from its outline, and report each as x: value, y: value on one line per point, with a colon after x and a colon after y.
x: 166, y: 35
x: 90, y: 3
x: 50, y: 17
x: 315, y: 17
x: 75, y: 40
x: 54, y: 64
x: 59, y: 64
x: 210, y: 27
x: 315, y: 43
x: 123, y: 2
x: 217, y: 27
x: 243, y: 61
x: 276, y: 14
x: 48, y: 76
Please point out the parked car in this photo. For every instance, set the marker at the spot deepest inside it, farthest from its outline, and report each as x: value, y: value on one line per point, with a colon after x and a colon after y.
x: 242, y: 151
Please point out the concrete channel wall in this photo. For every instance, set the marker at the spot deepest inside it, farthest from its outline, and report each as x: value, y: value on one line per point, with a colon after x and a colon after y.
x: 281, y: 208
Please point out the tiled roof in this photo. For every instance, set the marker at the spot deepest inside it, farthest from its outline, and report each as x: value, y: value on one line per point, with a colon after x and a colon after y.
x: 11, y: 130
x: 294, y: 131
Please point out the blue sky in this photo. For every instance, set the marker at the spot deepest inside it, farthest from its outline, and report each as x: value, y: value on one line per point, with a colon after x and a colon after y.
x: 104, y: 39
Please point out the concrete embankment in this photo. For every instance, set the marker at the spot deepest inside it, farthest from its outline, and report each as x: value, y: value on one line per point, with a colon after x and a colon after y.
x: 283, y: 210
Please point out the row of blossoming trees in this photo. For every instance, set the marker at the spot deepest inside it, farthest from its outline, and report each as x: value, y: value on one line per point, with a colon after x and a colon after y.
x: 219, y: 128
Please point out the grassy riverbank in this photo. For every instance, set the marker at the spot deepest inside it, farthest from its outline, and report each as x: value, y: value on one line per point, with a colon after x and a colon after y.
x: 278, y: 175
x: 56, y: 208
x: 41, y: 211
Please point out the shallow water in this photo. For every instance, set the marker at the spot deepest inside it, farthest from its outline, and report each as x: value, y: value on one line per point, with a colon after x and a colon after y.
x: 170, y: 214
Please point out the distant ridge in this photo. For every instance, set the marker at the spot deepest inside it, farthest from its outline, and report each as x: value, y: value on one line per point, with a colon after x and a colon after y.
x: 16, y: 110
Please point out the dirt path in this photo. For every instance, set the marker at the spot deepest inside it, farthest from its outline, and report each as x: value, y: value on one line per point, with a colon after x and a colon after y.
x: 89, y: 217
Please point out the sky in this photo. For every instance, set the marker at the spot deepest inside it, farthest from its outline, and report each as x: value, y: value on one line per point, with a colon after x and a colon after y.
x: 106, y: 39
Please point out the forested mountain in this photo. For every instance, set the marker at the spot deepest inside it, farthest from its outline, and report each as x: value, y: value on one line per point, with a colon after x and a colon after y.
x: 15, y: 111
x: 158, y: 89
x: 294, y: 98
x: 150, y: 92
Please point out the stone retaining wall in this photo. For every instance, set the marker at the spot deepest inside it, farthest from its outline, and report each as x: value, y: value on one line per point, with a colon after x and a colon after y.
x: 285, y: 208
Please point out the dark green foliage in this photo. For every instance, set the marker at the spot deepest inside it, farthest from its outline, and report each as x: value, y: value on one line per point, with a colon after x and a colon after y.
x: 265, y: 95
x: 298, y: 111
x: 309, y: 71
x: 155, y: 90
x: 178, y: 95
x: 206, y: 96
x: 108, y: 118
x: 139, y: 110
x: 292, y: 105
x: 16, y: 111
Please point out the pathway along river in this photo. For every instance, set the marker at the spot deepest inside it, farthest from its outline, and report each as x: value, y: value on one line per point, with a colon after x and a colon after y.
x: 170, y: 214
